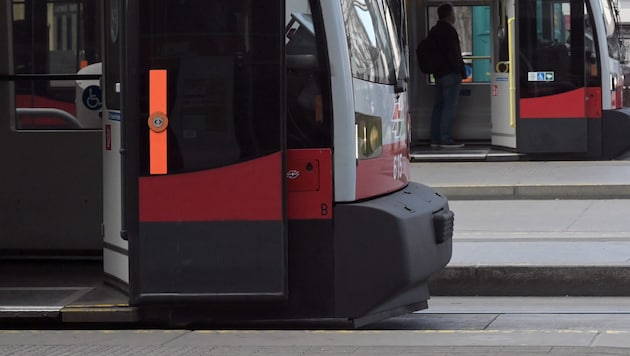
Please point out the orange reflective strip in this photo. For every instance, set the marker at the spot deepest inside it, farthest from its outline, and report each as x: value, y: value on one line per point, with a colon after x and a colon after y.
x: 157, y: 151
x: 157, y: 103
x: 319, y: 109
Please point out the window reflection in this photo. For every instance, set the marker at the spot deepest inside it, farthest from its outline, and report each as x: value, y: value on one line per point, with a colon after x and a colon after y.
x: 56, y: 55
x: 369, y: 32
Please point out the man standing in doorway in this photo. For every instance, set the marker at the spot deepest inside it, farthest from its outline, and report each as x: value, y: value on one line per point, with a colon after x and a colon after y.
x: 448, y: 79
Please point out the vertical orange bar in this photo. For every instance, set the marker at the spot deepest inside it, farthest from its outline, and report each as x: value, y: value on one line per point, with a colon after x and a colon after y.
x: 157, y: 103
x: 319, y: 109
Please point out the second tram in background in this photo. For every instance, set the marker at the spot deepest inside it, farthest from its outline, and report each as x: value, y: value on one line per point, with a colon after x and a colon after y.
x: 546, y: 80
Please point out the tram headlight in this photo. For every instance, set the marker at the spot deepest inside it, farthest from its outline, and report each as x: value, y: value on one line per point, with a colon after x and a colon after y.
x: 613, y: 81
x: 369, y: 136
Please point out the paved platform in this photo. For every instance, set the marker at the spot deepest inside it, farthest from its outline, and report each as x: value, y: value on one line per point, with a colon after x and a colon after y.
x: 526, y: 179
x: 535, y: 228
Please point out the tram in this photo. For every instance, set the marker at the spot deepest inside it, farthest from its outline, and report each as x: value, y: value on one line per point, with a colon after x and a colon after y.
x: 255, y: 166
x: 546, y: 80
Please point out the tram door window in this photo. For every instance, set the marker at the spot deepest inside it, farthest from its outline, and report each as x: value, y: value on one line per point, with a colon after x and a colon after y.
x: 223, y: 80
x: 473, y: 26
x: 556, y: 39
x: 53, y: 41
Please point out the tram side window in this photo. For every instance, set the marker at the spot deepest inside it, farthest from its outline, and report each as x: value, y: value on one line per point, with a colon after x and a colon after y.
x: 552, y: 49
x: 613, y: 35
x: 591, y: 54
x: 56, y: 56
x: 371, y: 52
x: 309, y: 121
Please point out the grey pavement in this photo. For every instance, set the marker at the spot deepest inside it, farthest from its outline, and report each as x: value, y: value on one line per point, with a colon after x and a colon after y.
x: 315, y: 342
x: 451, y: 326
x: 535, y: 228
x: 526, y: 179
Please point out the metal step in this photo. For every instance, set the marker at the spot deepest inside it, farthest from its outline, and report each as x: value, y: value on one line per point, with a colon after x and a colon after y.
x: 60, y: 290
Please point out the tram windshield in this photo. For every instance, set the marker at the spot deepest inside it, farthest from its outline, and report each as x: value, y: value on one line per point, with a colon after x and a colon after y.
x: 556, y: 42
x: 613, y: 35
x: 373, y: 40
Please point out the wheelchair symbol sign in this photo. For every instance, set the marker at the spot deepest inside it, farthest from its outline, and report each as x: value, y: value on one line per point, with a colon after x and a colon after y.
x: 92, y: 97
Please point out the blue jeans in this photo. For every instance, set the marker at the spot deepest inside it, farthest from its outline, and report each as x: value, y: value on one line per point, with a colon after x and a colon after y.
x: 446, y: 96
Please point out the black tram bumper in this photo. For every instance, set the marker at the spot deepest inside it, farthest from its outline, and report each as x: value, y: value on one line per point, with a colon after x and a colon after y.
x: 371, y: 261
x: 383, y: 262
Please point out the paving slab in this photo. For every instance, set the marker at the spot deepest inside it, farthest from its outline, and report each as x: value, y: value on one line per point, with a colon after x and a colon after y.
x: 526, y: 179
x: 535, y: 228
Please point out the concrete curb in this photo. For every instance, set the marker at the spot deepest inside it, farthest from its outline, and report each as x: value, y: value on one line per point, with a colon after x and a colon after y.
x: 534, y: 192
x: 532, y: 281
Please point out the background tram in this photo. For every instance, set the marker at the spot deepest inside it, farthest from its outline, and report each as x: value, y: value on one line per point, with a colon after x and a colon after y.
x: 255, y: 165
x: 546, y: 79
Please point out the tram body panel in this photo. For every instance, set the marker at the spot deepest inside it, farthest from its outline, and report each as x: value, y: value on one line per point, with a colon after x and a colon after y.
x: 115, y: 248
x: 345, y: 138
x: 384, y: 166
x: 610, y: 65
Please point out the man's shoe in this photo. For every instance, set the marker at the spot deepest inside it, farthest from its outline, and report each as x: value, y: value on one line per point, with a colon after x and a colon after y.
x: 451, y: 145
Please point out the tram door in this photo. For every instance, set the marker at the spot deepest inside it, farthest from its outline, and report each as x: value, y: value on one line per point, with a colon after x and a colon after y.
x: 555, y: 43
x: 503, y: 82
x: 202, y: 97
x: 50, y: 185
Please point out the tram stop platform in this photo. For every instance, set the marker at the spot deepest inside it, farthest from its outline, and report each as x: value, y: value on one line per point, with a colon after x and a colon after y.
x: 535, y: 228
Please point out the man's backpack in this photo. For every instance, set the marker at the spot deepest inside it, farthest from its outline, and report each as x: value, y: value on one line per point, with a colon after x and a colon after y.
x: 428, y: 55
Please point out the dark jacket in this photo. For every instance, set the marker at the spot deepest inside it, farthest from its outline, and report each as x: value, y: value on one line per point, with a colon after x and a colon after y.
x: 449, y: 49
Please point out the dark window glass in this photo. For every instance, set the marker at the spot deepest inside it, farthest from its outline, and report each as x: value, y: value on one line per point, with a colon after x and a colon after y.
x: 591, y: 54
x: 224, y: 60
x: 57, y: 42
x: 309, y: 120
x: 552, y: 47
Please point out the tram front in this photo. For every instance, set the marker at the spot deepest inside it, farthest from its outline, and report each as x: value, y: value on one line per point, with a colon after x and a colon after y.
x: 265, y: 162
